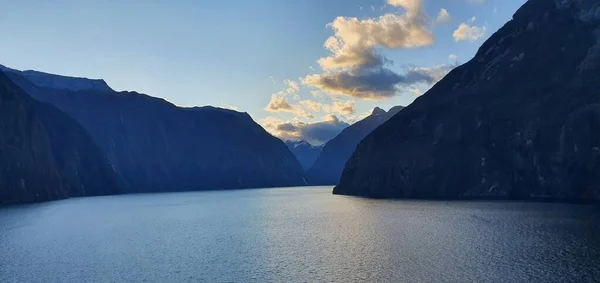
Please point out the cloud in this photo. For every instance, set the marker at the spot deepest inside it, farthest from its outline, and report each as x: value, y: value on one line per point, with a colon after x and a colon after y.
x: 367, y: 84
x: 292, y: 87
x: 375, y: 84
x: 452, y: 57
x: 443, y: 16
x: 344, y: 107
x: 315, y: 133
x: 355, y: 67
x: 354, y: 41
x: 469, y: 32
x: 279, y: 101
x: 429, y: 75
x: 270, y: 121
x: 315, y: 106
x: 230, y: 107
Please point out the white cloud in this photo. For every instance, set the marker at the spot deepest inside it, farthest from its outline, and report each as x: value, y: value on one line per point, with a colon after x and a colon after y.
x: 469, y: 32
x: 443, y: 16
x: 354, y: 41
x: 292, y: 87
x: 270, y: 121
x: 230, y: 107
x: 315, y: 106
x: 279, y: 101
x: 344, y: 107
x: 452, y: 57
x: 355, y: 67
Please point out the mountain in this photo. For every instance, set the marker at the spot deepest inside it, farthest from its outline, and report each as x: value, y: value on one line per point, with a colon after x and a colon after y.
x: 520, y: 120
x: 156, y: 146
x: 59, y: 82
x: 305, y: 152
x: 44, y: 154
x: 328, y: 168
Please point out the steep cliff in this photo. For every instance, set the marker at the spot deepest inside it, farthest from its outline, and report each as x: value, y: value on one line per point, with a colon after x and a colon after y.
x: 156, y: 146
x: 44, y: 154
x: 519, y: 120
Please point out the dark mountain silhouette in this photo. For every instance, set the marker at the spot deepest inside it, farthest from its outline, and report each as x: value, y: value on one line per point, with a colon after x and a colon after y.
x: 305, y: 152
x: 42, y: 79
x: 156, y: 146
x: 328, y: 168
x: 44, y: 154
x: 519, y: 120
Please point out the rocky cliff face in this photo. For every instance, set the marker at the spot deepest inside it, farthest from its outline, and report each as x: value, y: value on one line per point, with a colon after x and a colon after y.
x: 44, y: 154
x: 520, y: 120
x: 328, y: 168
x: 305, y: 152
x: 155, y: 146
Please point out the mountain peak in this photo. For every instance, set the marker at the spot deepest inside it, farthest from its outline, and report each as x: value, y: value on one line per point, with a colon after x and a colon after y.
x: 378, y: 111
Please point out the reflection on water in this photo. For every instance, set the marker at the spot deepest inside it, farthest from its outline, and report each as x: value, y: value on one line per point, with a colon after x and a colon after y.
x: 296, y: 235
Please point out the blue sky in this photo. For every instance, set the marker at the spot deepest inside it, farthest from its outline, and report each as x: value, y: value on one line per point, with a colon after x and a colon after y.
x: 241, y: 53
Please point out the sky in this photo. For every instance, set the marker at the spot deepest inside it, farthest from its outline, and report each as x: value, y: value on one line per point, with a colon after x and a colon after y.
x: 303, y: 69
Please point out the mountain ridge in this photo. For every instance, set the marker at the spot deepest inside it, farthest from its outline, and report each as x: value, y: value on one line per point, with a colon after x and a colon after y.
x: 328, y: 167
x: 473, y: 135
x: 156, y: 146
x: 44, y: 154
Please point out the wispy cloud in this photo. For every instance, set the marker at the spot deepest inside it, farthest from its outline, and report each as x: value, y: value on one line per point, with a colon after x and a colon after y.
x: 279, y: 101
x: 443, y: 16
x: 469, y: 32
x: 230, y: 107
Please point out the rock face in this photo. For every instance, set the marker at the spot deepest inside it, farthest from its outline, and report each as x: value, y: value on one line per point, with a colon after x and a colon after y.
x: 520, y: 120
x: 155, y: 146
x: 44, y: 154
x: 328, y: 168
x: 305, y: 152
x: 60, y: 82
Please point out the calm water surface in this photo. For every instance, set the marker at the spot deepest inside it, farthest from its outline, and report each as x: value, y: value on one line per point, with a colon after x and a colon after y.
x: 296, y: 235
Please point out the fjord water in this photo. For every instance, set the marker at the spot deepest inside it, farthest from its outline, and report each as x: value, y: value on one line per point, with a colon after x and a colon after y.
x: 296, y: 235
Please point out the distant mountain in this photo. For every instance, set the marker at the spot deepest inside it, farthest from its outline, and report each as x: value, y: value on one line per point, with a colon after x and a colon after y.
x: 156, y: 146
x: 328, y: 168
x: 44, y: 154
x: 520, y: 120
x: 59, y: 82
x: 305, y: 152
